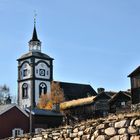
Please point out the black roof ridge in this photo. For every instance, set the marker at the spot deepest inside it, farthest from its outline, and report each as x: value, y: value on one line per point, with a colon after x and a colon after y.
x: 30, y: 53
x: 72, y: 83
x: 134, y: 71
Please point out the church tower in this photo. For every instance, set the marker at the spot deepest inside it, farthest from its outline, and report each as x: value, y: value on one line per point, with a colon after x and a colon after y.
x: 35, y: 73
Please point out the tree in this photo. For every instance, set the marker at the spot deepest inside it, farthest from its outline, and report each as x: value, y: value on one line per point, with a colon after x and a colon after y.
x: 56, y: 96
x: 5, y: 95
x: 45, y: 102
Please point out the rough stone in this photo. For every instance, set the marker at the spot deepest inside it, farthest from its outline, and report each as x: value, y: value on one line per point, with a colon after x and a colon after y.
x: 76, y: 139
x: 50, y: 135
x: 55, y: 134
x: 100, y: 126
x: 132, y: 121
x: 80, y: 133
x: 117, y: 137
x: 75, y: 130
x: 60, y: 138
x: 132, y: 130
x: 111, y: 124
x: 124, y: 137
x: 122, y: 131
x: 96, y: 133
x: 93, y: 138
x: 69, y: 130
x: 65, y: 135
x: 46, y: 136
x: 137, y: 122
x: 135, y: 138
x: 68, y: 139
x: 55, y: 137
x: 110, y: 131
x: 127, y: 128
x: 122, y: 123
x: 85, y: 137
x: 88, y: 130
x: 82, y: 127
x: 94, y: 124
x: 73, y: 135
x: 101, y: 137
x: 37, y: 138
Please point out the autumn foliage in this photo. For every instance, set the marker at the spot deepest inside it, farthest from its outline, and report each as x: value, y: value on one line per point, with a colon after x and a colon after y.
x: 56, y: 96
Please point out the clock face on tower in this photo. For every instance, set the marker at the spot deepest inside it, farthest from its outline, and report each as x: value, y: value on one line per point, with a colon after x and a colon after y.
x: 42, y: 72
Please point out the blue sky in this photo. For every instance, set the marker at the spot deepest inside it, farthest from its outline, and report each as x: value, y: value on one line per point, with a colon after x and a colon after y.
x: 92, y: 41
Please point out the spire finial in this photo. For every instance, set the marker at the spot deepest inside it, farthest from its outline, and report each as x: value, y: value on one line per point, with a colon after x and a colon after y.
x: 35, y: 15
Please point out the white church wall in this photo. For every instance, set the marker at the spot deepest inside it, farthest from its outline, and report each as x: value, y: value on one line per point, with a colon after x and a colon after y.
x: 37, y: 60
x: 42, y: 71
x: 22, y: 61
x: 37, y: 83
x: 24, y: 102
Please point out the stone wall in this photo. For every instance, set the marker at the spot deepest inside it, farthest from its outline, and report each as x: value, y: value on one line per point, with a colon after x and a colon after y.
x: 135, y: 107
x: 114, y: 127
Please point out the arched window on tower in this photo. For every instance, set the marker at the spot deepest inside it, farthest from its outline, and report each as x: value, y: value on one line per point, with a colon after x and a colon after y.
x: 25, y: 91
x: 42, y: 89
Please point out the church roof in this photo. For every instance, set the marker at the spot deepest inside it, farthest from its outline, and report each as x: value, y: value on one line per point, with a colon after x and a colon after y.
x: 74, y: 91
x: 44, y: 112
x: 35, y: 54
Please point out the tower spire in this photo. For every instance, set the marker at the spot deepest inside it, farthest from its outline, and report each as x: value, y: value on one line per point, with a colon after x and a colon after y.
x: 34, y: 36
x: 34, y: 43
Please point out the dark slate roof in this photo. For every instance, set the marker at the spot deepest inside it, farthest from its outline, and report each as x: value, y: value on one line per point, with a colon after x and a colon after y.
x: 135, y: 72
x: 44, y: 112
x: 122, y: 94
x: 110, y: 93
x: 102, y: 95
x: 74, y: 91
x: 35, y: 54
x: 34, y: 36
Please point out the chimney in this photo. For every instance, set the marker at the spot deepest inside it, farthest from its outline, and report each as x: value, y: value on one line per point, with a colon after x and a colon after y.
x: 100, y: 90
x: 56, y: 107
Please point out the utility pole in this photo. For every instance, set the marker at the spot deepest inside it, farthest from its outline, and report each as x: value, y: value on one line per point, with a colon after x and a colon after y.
x: 31, y: 97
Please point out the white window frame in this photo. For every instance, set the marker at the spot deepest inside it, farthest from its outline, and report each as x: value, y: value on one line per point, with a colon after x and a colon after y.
x: 17, y: 131
x: 123, y: 103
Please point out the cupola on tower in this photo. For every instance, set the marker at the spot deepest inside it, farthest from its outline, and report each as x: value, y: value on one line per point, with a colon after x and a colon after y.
x: 35, y: 73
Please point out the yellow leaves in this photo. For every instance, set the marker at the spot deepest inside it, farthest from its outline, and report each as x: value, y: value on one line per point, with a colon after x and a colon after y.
x: 49, y: 105
x: 47, y: 100
x: 57, y: 94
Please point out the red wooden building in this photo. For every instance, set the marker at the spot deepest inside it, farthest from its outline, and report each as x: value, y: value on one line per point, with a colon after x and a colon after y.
x: 13, y: 121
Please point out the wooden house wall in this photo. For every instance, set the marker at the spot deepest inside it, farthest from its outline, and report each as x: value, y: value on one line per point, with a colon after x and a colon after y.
x: 101, y: 104
x: 135, y: 88
x: 135, y: 95
x: 40, y: 121
x: 11, y: 119
x: 81, y: 112
x: 116, y: 105
x: 135, y: 81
